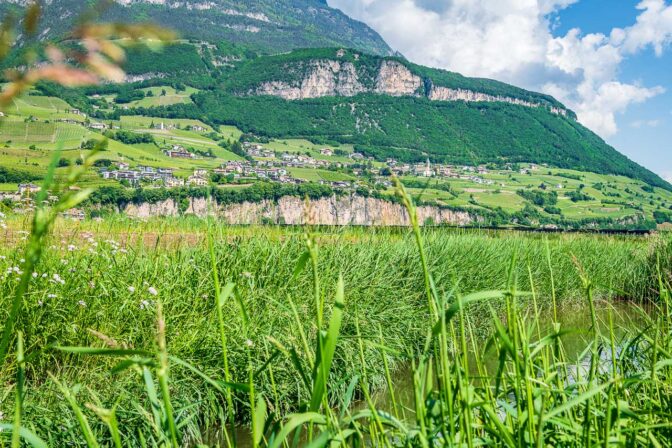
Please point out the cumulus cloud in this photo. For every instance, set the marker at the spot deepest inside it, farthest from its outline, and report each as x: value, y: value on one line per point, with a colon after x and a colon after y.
x: 512, y: 40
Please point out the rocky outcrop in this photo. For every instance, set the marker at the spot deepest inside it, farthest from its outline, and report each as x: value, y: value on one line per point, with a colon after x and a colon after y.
x: 147, y: 210
x: 395, y: 79
x: 438, y: 93
x: 323, y: 78
x: 333, y: 77
x: 335, y: 210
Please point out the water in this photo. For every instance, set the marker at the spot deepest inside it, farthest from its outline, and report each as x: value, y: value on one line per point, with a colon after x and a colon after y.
x: 625, y: 317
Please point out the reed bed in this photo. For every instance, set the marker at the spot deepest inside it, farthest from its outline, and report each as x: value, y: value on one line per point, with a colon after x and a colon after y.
x: 289, y: 333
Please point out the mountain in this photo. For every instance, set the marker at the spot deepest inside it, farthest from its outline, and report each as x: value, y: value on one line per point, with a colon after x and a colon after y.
x: 351, y: 91
x: 263, y: 26
x: 390, y: 108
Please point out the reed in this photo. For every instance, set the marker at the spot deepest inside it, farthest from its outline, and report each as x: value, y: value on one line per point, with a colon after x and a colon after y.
x: 295, y: 333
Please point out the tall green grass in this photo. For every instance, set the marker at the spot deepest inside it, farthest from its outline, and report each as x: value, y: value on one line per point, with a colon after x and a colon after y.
x: 291, y: 334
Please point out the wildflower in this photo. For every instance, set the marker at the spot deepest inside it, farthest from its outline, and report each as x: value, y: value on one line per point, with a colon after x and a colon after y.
x: 249, y: 343
x: 131, y: 289
x: 44, y: 275
x: 52, y: 296
x: 35, y: 274
x: 82, y: 303
x: 153, y: 291
x: 40, y: 303
x: 57, y: 279
x: 2, y: 257
x: 71, y: 248
x: 21, y: 261
x: 144, y: 304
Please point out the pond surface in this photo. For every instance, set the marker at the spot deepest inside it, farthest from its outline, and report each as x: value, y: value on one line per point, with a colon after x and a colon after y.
x: 626, y: 317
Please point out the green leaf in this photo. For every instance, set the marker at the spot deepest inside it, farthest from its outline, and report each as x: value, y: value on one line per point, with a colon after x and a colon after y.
x: 327, y: 347
x: 294, y: 422
x: 300, y: 265
x: 259, y: 420
x: 225, y: 294
x: 30, y: 437
x: 219, y: 385
x: 103, y: 351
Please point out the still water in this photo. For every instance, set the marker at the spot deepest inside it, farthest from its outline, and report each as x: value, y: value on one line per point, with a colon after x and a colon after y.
x: 626, y: 318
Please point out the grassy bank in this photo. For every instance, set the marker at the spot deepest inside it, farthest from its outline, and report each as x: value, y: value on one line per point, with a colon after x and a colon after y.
x: 89, y: 284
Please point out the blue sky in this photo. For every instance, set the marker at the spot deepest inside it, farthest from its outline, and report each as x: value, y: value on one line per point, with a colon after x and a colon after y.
x: 609, y: 60
x: 645, y: 130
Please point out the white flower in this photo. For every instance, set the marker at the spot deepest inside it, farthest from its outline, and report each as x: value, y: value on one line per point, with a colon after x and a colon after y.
x: 21, y: 261
x: 40, y: 303
x: 57, y: 279
x: 131, y: 289
x: 153, y: 291
x: 249, y: 343
x: 145, y: 304
x: 82, y: 303
x: 71, y: 248
x: 52, y: 296
x: 35, y: 274
x: 2, y: 257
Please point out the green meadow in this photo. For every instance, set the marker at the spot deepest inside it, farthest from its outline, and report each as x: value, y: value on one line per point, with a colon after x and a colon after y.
x: 344, y: 335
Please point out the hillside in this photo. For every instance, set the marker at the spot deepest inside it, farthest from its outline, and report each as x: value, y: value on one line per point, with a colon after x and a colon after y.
x: 263, y: 26
x: 499, y: 194
x: 388, y: 107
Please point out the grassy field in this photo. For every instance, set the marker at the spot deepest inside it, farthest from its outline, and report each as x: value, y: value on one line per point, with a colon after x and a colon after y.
x: 109, y: 278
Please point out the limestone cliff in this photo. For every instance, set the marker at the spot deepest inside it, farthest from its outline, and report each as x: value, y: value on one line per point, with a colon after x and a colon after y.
x: 337, y: 211
x: 323, y: 78
x: 438, y: 93
x: 319, y: 78
x: 396, y: 79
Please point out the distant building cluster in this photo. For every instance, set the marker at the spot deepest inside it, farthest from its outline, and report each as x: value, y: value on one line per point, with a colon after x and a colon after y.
x: 147, y: 173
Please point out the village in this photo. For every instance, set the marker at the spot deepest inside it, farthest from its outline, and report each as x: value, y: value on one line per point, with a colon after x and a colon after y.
x: 264, y: 164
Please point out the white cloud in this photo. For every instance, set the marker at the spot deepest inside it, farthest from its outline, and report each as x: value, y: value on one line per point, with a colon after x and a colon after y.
x: 511, y: 40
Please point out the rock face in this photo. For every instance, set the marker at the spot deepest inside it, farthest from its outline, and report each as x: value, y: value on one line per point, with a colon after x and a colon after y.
x: 331, y: 77
x: 395, y: 79
x: 438, y: 93
x: 323, y: 78
x: 335, y: 211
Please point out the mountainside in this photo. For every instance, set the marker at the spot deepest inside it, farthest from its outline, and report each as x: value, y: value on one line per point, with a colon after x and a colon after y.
x: 317, y: 73
x: 384, y: 106
x: 388, y: 107
x: 264, y: 26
